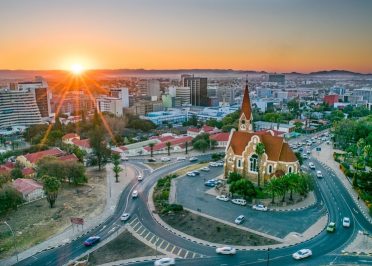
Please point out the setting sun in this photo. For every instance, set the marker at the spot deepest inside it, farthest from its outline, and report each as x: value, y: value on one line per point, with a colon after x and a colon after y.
x: 77, y: 69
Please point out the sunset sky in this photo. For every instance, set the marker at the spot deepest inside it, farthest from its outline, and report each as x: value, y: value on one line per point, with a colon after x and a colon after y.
x: 271, y: 35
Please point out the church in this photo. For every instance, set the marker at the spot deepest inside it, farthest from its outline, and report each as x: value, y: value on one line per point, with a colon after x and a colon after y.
x: 277, y: 160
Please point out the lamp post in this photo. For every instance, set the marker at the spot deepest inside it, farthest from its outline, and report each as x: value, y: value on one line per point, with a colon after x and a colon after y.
x: 14, y: 242
x: 268, y: 256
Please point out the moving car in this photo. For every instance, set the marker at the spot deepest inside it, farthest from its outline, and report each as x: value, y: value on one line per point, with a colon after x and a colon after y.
x: 319, y: 174
x: 124, y: 158
x: 226, y: 251
x: 139, y: 177
x: 223, y: 198
x: 213, y: 164
x: 210, y: 183
x: 91, y: 241
x: 331, y: 227
x: 165, y: 159
x: 193, y: 159
x: 259, y: 207
x: 181, y: 158
x: 134, y: 194
x: 205, y: 169
x: 242, y: 202
x: 346, y: 222
x: 302, y: 254
x: 305, y: 156
x: 165, y: 262
x: 311, y: 165
x: 240, y: 219
x: 125, y: 216
x: 191, y: 174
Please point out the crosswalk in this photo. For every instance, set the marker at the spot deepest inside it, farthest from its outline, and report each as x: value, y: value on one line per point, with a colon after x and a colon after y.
x: 160, y: 244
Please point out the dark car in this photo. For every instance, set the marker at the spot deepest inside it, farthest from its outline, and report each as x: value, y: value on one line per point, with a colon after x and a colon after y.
x: 151, y: 160
x: 91, y: 241
x: 210, y: 184
x: 196, y: 172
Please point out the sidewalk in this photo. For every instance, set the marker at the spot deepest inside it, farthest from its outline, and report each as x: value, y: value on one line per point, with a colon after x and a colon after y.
x: 325, y: 157
x: 114, y: 191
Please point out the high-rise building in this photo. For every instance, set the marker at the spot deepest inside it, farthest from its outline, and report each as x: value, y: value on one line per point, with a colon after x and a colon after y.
x: 18, y: 108
x: 121, y: 93
x: 184, y: 95
x: 366, y: 93
x: 72, y: 102
x: 278, y: 78
x: 39, y: 88
x: 149, y: 87
x: 110, y: 104
x: 199, y: 92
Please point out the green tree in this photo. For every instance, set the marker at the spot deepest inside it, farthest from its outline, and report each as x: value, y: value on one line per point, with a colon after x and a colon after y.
x: 51, y: 188
x: 151, y: 145
x: 298, y: 126
x: 116, y: 168
x: 293, y: 183
x: 168, y: 144
x: 186, y: 147
x: 17, y: 172
x: 299, y: 157
x: 99, y: 147
x: 51, y: 166
x: 273, y: 188
x: 9, y: 199
x: 233, y: 177
x: 76, y: 173
x: 201, y: 145
x: 260, y: 150
x: 244, y: 188
x: 283, y: 186
x: 4, y: 179
x: 213, y: 144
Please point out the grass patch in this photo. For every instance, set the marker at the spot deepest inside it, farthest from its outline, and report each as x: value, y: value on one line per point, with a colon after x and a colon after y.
x: 125, y: 246
x: 35, y: 222
x: 212, y: 231
x: 190, y: 168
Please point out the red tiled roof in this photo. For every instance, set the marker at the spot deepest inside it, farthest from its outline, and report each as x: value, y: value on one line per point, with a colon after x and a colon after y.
x: 166, y: 138
x: 123, y: 148
x: 193, y: 129
x: 28, y: 171
x: 84, y: 143
x: 25, y: 185
x: 174, y: 142
x: 34, y: 157
x: 207, y: 128
x: 220, y: 136
x: 69, y: 157
x: 275, y: 147
x: 70, y: 136
x: 268, y: 131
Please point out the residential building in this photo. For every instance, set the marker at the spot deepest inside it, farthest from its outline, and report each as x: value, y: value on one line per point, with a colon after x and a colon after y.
x: 18, y: 108
x: 74, y: 139
x: 330, y: 99
x: 262, y: 125
x: 177, y: 144
x: 277, y: 160
x: 198, y: 87
x: 193, y: 131
x: 30, y: 189
x: 110, y: 104
x: 30, y: 160
x: 221, y: 138
x: 365, y: 93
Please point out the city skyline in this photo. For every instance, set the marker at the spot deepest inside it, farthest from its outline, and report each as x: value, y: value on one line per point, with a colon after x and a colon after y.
x: 273, y: 36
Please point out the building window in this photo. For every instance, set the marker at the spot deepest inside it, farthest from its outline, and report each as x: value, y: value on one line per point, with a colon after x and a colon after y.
x: 290, y: 170
x: 270, y: 169
x: 253, y: 166
x: 239, y: 163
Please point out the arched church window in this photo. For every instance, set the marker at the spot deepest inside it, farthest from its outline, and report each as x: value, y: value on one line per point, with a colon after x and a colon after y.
x: 253, y: 165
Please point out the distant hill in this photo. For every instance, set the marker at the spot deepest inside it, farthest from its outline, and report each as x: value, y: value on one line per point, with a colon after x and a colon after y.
x: 337, y: 72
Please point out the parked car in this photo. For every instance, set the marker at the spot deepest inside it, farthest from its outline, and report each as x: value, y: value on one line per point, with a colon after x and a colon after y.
x: 319, y: 174
x: 191, y: 174
x: 346, y: 222
x: 240, y: 219
x: 213, y: 164
x: 311, y: 165
x: 193, y: 159
x: 125, y: 216
x: 210, y: 183
x: 134, y: 194
x: 305, y: 156
x: 223, y: 197
x: 91, y: 241
x: 259, y: 207
x: 302, y: 254
x: 124, y: 158
x: 205, y: 169
x: 331, y: 227
x: 139, y: 177
x: 242, y: 202
x: 165, y: 262
x: 181, y: 158
x: 165, y: 159
x: 226, y: 250
x: 196, y: 172
x: 152, y: 160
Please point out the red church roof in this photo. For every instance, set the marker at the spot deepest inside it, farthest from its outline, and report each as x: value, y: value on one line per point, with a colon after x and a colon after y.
x: 246, y: 104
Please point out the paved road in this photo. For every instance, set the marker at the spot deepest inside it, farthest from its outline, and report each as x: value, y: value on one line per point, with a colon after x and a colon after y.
x: 326, y: 247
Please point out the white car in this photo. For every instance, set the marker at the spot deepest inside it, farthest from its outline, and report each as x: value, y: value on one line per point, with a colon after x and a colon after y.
x: 240, y: 219
x: 346, y: 222
x: 139, y: 177
x: 181, y: 158
x: 259, y: 207
x: 213, y: 164
x: 125, y: 216
x: 226, y: 251
x: 311, y: 165
x: 165, y: 262
x: 134, y: 194
x: 124, y: 158
x: 191, y: 174
x: 193, y: 159
x: 319, y: 174
x: 165, y: 159
x: 302, y: 254
x: 305, y: 156
x: 239, y: 201
x: 205, y: 169
x: 223, y: 198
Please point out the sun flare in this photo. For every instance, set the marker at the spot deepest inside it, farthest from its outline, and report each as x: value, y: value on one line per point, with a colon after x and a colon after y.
x: 77, y: 69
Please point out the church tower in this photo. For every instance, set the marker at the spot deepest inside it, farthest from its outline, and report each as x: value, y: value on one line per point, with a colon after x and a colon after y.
x: 246, y: 117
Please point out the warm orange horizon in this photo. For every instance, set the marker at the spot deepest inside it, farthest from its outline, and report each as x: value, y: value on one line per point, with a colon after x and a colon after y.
x: 241, y: 35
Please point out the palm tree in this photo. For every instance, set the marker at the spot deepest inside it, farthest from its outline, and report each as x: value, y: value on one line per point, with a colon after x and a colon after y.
x: 168, y: 147
x: 186, y: 147
x: 151, y: 145
x: 273, y: 188
x: 283, y: 186
x: 260, y: 150
x: 293, y: 183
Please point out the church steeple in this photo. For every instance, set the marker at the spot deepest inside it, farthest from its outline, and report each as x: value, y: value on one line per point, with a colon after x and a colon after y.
x: 245, y: 120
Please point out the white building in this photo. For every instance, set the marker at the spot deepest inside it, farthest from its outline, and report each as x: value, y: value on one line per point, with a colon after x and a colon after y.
x: 184, y: 94
x: 121, y: 93
x: 262, y: 125
x: 110, y: 105
x: 30, y: 189
x: 366, y: 93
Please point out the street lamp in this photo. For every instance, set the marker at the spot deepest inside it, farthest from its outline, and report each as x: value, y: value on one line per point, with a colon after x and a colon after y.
x: 14, y: 242
x: 268, y: 256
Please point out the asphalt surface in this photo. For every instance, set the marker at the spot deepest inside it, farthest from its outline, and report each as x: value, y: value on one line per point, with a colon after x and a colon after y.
x: 326, y: 247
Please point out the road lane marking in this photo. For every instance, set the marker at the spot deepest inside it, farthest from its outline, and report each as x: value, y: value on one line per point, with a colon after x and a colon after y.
x: 187, y: 252
x: 173, y: 249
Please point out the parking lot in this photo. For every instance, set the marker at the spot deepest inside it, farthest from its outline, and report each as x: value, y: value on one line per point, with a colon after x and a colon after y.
x: 190, y: 192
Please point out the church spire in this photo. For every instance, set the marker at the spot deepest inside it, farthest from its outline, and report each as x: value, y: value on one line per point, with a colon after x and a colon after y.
x: 246, y: 104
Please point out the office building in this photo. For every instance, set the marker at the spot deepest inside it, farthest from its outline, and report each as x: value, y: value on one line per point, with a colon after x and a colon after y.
x: 110, y: 104
x: 365, y: 93
x: 72, y: 102
x: 121, y: 93
x: 18, y: 108
x: 169, y: 117
x: 149, y: 87
x: 278, y: 78
x: 198, y: 87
